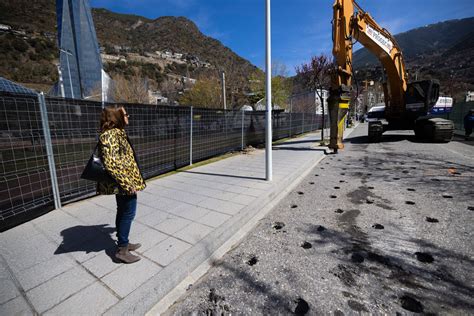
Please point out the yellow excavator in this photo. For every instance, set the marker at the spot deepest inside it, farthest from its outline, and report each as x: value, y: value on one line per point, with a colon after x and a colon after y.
x: 406, y: 104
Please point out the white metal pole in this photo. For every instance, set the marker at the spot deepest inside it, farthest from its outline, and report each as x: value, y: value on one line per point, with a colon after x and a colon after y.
x: 243, y: 114
x: 102, y: 90
x: 224, y: 101
x: 268, y: 69
x: 49, y: 151
x: 191, y: 138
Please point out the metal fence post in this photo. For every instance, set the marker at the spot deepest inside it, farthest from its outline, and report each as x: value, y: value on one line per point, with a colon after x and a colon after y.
x: 302, y: 125
x: 49, y: 150
x: 242, y: 144
x: 291, y: 127
x: 191, y: 139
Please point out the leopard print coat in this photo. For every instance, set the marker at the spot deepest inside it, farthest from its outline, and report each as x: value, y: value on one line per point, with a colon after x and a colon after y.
x: 120, y: 161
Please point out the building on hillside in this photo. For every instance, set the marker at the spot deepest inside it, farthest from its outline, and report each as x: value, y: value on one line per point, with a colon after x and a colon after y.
x: 469, y: 96
x: 80, y: 60
x: 246, y: 108
x: 5, y: 28
x: 261, y: 105
x: 156, y: 97
x: 309, y: 102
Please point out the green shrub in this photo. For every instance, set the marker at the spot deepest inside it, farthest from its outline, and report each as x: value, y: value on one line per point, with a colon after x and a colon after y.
x: 19, y: 45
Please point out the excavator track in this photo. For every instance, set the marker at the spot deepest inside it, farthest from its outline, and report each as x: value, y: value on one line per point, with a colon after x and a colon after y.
x: 434, y: 129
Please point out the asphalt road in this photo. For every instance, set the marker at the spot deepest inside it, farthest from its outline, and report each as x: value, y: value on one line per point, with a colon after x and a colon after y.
x: 378, y: 228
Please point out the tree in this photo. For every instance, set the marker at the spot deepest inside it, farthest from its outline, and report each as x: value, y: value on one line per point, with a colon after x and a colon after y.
x: 170, y: 88
x: 205, y: 93
x: 315, y: 75
x: 133, y: 90
x: 281, y: 86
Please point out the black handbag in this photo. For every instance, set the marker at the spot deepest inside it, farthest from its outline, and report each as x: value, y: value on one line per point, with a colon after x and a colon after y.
x: 95, y: 169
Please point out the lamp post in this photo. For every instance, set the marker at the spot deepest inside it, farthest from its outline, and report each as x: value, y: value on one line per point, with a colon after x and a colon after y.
x: 268, y: 69
x: 67, y: 52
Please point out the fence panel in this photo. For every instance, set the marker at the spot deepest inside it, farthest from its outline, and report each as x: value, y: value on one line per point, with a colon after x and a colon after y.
x: 25, y: 183
x: 74, y: 126
x: 160, y: 136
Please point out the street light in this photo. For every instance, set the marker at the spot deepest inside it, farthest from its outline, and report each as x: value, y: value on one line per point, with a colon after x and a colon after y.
x: 268, y: 69
x: 67, y: 52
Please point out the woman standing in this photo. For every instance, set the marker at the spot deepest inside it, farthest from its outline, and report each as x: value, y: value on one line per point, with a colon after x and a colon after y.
x: 120, y: 161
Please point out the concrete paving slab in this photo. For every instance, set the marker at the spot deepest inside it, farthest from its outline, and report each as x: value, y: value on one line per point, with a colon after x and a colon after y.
x: 22, y: 253
x: 54, y: 227
x: 188, y: 197
x: 226, y: 207
x: 172, y: 225
x: 40, y: 273
x: 226, y: 196
x: 93, y: 300
x: 8, y: 290
x: 137, y: 229
x: 193, y: 233
x: 214, y: 219
x: 154, y: 218
x: 253, y: 192
x: 17, y: 306
x: 144, y: 210
x: 128, y: 277
x: 236, y: 189
x: 148, y: 238
x: 59, y: 288
x: 95, y: 216
x: 159, y: 201
x: 26, y: 232
x: 106, y: 201
x: 243, y: 199
x: 103, y: 263
x: 190, y: 212
x: 166, y: 251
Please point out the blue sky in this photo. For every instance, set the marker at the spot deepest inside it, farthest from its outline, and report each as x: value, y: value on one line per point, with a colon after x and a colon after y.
x: 300, y: 28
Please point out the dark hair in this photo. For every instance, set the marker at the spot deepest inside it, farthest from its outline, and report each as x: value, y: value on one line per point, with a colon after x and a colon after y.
x: 112, y: 117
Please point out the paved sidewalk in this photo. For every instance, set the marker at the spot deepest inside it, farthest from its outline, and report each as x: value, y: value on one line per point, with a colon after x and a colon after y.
x: 61, y: 263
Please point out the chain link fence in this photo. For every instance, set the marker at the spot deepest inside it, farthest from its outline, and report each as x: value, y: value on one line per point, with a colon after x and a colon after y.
x: 45, y: 143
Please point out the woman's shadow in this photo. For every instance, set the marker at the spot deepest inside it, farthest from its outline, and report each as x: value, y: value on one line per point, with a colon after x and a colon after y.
x: 95, y: 238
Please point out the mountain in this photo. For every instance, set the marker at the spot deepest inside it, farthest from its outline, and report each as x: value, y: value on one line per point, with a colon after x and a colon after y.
x: 30, y: 57
x: 176, y: 35
x: 444, y: 51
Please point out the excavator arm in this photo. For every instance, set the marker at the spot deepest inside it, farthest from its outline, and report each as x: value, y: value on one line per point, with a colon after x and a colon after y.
x: 350, y: 26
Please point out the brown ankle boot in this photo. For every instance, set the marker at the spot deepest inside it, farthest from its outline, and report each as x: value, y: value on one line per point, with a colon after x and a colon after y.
x: 125, y: 256
x: 133, y: 247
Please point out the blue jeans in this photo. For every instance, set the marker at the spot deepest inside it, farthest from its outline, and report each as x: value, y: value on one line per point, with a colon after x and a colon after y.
x: 126, y: 209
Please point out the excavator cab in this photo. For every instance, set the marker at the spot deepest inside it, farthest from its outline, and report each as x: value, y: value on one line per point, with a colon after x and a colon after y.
x: 421, y: 96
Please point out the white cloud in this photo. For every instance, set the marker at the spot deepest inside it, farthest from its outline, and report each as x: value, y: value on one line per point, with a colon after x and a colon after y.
x: 394, y: 26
